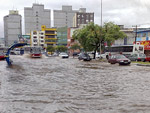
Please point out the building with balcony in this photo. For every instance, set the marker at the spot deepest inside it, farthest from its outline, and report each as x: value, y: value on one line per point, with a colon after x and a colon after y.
x: 12, y: 27
x: 35, y: 17
x: 37, y: 38
x: 50, y: 35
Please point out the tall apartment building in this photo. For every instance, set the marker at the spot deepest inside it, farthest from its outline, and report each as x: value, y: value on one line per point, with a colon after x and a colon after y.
x: 64, y: 17
x: 50, y: 35
x: 35, y: 17
x: 37, y: 38
x: 82, y: 17
x: 12, y: 27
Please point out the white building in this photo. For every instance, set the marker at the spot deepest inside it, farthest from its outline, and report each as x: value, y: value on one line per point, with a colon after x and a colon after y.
x: 35, y: 17
x: 12, y: 27
x: 37, y: 38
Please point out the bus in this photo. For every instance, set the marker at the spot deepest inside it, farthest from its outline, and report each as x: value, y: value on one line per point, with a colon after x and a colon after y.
x: 126, y: 50
x: 34, y: 52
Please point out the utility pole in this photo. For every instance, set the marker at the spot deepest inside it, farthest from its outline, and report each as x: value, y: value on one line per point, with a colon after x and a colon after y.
x: 135, y: 33
x: 101, y: 12
x: 101, y: 29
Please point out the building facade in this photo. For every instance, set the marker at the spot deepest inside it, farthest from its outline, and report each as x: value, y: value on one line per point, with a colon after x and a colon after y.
x: 64, y: 17
x: 126, y: 40
x: 2, y: 42
x: 82, y: 18
x: 35, y: 17
x: 50, y: 35
x: 62, y: 36
x: 37, y: 38
x: 12, y: 27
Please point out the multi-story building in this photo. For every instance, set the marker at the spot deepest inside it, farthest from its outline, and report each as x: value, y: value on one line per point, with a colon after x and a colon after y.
x: 12, y: 27
x: 82, y: 17
x: 35, y: 17
x: 50, y: 35
x: 64, y: 17
x: 62, y: 36
x: 126, y: 40
x: 2, y: 42
x: 37, y: 38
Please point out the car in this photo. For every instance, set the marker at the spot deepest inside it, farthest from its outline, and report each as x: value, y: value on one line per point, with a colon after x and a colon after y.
x: 2, y: 56
x: 84, y: 57
x: 118, y: 58
x: 138, y: 57
x: 75, y: 54
x: 63, y: 55
x: 147, y: 58
x: 101, y: 56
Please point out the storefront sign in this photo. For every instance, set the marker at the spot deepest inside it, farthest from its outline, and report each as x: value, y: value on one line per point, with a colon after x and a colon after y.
x: 146, y: 44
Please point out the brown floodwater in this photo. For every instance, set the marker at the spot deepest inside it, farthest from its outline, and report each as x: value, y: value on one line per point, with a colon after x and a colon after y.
x: 55, y: 85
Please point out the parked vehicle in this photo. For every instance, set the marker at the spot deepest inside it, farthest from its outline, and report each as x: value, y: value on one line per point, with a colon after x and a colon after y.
x: 102, y: 56
x: 138, y: 57
x: 2, y: 56
x: 118, y: 58
x: 147, y: 58
x: 84, y: 56
x: 64, y: 55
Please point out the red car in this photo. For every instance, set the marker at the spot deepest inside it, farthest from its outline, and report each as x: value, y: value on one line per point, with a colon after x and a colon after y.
x: 2, y: 56
x: 121, y: 59
x: 147, y: 58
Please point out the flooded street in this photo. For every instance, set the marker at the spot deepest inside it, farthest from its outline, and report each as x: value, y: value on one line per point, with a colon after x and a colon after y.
x: 55, y: 85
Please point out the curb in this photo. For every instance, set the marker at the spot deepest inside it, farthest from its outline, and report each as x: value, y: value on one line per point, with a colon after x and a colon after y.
x: 147, y: 65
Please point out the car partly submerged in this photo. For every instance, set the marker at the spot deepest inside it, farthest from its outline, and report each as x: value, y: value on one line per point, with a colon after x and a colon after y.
x: 84, y: 57
x: 63, y: 55
x: 118, y: 58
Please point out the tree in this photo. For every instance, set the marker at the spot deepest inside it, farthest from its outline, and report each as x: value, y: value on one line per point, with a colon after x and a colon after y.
x: 92, y: 36
x: 75, y: 47
x: 50, y: 48
x: 112, y: 33
x: 61, y: 48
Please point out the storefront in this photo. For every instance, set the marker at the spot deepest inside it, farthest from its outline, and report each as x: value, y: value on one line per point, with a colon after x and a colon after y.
x: 146, y: 47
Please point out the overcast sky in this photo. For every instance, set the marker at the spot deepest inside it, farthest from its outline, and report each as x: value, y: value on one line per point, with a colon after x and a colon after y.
x: 122, y: 12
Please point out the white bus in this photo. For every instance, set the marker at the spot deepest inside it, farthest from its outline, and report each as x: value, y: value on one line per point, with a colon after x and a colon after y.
x: 126, y: 50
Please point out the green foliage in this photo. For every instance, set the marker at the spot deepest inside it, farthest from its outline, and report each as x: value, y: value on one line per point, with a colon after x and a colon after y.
x: 92, y: 36
x: 61, y: 48
x: 75, y: 47
x: 50, y: 48
x: 112, y: 33
x: 88, y: 37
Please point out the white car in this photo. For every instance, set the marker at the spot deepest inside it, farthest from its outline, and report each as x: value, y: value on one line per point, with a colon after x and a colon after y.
x: 103, y: 56
x: 63, y: 55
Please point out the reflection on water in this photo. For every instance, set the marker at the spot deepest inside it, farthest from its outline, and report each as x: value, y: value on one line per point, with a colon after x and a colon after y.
x: 53, y: 85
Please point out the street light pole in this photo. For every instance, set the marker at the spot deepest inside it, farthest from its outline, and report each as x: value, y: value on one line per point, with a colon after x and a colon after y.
x: 101, y: 29
x: 101, y: 13
x: 136, y: 34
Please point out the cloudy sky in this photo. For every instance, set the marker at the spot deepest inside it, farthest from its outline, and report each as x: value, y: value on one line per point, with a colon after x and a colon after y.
x: 122, y: 12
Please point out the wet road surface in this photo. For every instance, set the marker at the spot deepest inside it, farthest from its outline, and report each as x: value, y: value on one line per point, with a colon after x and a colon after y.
x: 55, y: 85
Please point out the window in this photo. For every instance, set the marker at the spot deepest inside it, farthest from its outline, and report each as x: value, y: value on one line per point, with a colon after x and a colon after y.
x: 144, y: 34
x: 42, y: 33
x: 34, y: 37
x: 34, y: 40
x: 34, y: 32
